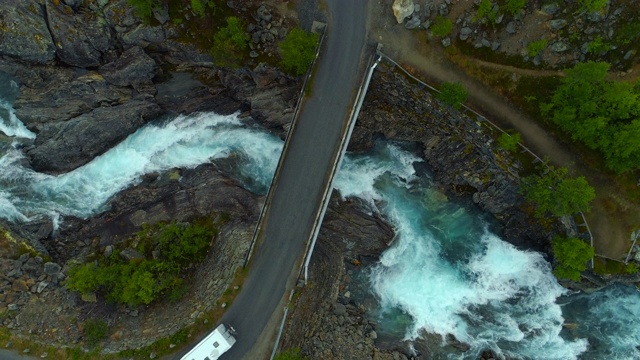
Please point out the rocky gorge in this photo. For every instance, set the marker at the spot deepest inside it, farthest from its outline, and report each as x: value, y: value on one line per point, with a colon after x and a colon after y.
x: 85, y: 88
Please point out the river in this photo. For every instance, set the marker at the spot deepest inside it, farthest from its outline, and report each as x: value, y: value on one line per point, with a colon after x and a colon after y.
x: 447, y: 272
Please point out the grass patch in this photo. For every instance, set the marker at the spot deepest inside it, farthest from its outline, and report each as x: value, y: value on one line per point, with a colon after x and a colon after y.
x: 604, y: 266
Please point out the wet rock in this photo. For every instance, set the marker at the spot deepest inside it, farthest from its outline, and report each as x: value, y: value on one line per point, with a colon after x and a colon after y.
x: 629, y: 54
x: 24, y: 32
x: 402, y: 9
x: 557, y: 24
x: 559, y: 46
x: 465, y: 32
x: 446, y: 42
x: 130, y: 254
x: 485, y: 42
x: 51, y: 268
x: 61, y: 147
x: 550, y: 9
x: 511, y: 27
x: 144, y: 35
x: 133, y: 67
x: 79, y: 41
x: 495, y: 45
x: 443, y: 10
x: 413, y: 22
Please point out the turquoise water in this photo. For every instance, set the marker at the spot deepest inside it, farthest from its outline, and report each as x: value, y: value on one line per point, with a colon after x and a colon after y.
x: 446, y: 272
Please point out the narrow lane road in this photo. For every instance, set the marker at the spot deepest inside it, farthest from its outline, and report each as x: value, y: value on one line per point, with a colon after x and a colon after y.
x: 257, y: 311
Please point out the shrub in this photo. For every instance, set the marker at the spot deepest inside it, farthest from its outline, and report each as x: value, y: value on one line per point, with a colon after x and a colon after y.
x: 229, y: 43
x: 592, y: 5
x: 176, y: 247
x: 513, y: 6
x: 572, y: 255
x: 441, y: 26
x: 598, y: 45
x: 556, y: 193
x: 95, y: 331
x: 298, y: 50
x: 509, y: 142
x: 291, y: 354
x: 452, y: 94
x: 536, y: 47
x: 144, y: 8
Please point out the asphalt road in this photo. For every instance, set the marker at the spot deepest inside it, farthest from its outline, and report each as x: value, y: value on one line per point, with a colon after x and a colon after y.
x: 304, y: 175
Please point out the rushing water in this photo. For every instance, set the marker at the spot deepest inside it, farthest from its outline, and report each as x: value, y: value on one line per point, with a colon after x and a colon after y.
x: 446, y: 272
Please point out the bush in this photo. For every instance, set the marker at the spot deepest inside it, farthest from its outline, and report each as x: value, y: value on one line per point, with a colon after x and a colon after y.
x: 509, y: 142
x: 174, y: 248
x: 572, y: 255
x: 199, y: 6
x: 598, y: 45
x: 144, y: 8
x: 536, y: 47
x: 556, y: 193
x: 593, y: 5
x: 452, y: 94
x: 441, y: 26
x: 95, y: 331
x: 230, y: 43
x: 298, y: 50
x: 513, y: 6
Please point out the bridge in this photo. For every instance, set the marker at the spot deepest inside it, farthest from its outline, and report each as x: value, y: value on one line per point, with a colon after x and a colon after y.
x: 303, y: 181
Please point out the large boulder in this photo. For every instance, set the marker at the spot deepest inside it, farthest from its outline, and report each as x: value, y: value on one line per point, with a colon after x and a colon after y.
x: 24, y: 33
x: 132, y: 68
x: 64, y: 146
x: 62, y: 100
x: 80, y: 39
x: 402, y: 9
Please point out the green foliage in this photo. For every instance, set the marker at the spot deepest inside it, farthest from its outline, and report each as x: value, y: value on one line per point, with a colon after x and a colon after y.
x: 452, y: 94
x: 487, y: 10
x: 513, y: 6
x: 290, y: 354
x: 144, y: 8
x: 95, y: 331
x: 628, y: 32
x: 598, y: 45
x: 509, y: 142
x: 441, y: 26
x: 175, y: 246
x: 556, y: 193
x: 631, y: 268
x: 230, y: 43
x: 200, y: 6
x: 593, y: 5
x: 602, y: 114
x: 536, y: 47
x: 298, y: 50
x: 572, y: 255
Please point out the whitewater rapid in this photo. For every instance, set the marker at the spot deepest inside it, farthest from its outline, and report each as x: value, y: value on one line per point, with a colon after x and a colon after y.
x: 446, y: 272
x: 183, y: 142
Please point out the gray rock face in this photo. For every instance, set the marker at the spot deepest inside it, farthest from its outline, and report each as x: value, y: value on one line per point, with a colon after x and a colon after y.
x: 64, y: 146
x: 129, y: 254
x: 559, y: 46
x: 51, y: 268
x: 133, y: 67
x: 413, y: 22
x: 79, y: 41
x: 24, y: 33
x: 550, y: 9
x: 511, y: 27
x: 144, y: 35
x: 557, y: 24
x: 465, y: 32
x: 66, y: 98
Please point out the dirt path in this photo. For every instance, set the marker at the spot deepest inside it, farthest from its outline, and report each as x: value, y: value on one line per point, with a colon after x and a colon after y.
x: 611, y: 218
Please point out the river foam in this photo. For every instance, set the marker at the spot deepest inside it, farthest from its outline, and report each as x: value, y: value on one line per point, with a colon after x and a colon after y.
x: 185, y: 141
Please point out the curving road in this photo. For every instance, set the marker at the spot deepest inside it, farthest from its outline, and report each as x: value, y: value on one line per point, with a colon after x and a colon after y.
x: 257, y: 311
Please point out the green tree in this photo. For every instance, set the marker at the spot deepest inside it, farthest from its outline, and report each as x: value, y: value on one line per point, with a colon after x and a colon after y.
x: 592, y: 5
x: 144, y: 8
x: 556, y: 193
x: 509, y: 142
x: 513, y: 6
x: 536, y: 47
x: 441, y: 26
x: 298, y: 50
x: 602, y: 114
x: 572, y: 256
x: 452, y: 94
x: 230, y: 43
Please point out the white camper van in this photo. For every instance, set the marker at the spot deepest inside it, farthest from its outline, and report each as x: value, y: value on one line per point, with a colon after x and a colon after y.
x: 214, y: 345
